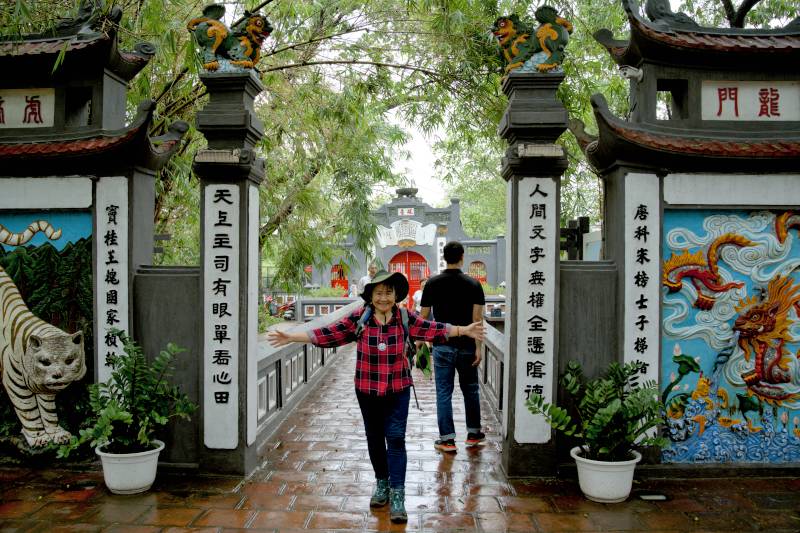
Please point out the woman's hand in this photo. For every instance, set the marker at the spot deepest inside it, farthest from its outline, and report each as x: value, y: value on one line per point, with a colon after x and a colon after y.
x: 474, y: 330
x: 279, y: 338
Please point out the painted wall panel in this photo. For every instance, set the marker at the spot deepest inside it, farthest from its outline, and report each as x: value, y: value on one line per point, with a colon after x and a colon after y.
x: 730, y: 374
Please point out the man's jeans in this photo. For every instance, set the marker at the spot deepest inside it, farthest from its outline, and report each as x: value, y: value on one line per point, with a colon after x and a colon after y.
x: 385, y: 420
x: 446, y: 361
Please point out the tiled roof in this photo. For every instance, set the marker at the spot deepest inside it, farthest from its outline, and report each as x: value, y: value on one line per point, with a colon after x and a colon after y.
x: 56, y: 148
x: 700, y: 38
x: 47, y: 46
x: 716, y: 148
x: 668, y: 147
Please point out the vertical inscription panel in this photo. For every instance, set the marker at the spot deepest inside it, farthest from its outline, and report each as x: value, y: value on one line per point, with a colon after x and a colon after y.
x: 221, y: 274
x: 535, y: 300
x: 111, y: 242
x: 642, y: 271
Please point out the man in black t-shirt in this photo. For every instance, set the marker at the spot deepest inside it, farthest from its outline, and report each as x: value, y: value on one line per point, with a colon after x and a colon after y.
x: 457, y: 299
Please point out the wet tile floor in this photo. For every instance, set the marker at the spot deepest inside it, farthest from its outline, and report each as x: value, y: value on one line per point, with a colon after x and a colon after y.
x: 317, y: 476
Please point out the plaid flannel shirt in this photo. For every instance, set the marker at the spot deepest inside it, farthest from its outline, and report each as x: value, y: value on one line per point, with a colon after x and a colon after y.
x: 379, y: 371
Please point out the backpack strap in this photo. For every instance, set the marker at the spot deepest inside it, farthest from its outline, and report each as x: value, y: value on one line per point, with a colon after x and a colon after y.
x: 404, y: 315
x: 410, y: 349
x: 363, y: 321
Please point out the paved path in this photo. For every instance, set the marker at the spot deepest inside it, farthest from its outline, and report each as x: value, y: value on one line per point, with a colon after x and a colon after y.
x: 317, y: 476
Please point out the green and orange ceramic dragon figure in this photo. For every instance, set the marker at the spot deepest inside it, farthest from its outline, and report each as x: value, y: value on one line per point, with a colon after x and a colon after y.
x: 239, y: 46
x: 542, y: 53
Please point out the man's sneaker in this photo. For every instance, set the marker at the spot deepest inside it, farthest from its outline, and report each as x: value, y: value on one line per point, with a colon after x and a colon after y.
x: 380, y: 496
x: 448, y: 445
x: 473, y: 439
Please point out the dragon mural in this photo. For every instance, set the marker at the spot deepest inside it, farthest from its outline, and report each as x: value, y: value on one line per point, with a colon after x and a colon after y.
x: 542, y: 53
x: 733, y: 381
x: 703, y: 272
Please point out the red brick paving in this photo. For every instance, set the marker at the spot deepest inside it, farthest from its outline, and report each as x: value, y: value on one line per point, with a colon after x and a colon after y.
x: 316, y: 476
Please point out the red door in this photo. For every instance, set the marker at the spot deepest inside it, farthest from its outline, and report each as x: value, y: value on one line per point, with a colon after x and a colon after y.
x: 414, y: 267
x: 338, y: 279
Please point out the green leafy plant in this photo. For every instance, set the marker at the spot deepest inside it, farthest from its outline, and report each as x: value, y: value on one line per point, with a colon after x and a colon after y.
x: 615, y: 412
x: 136, y: 401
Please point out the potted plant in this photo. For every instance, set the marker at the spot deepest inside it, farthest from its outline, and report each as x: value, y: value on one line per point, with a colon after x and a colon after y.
x: 137, y: 400
x: 615, y: 414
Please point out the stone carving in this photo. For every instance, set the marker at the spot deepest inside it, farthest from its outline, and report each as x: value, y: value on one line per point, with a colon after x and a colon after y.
x: 37, y: 360
x: 543, y: 53
x: 234, y: 49
x: 660, y: 12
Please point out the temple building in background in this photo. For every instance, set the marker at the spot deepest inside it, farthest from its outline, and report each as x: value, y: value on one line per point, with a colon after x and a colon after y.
x: 410, y: 238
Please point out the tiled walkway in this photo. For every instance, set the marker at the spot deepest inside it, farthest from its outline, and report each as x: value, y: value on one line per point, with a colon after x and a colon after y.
x: 317, y: 476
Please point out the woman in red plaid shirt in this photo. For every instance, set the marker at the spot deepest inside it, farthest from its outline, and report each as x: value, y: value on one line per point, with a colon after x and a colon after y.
x: 383, y: 376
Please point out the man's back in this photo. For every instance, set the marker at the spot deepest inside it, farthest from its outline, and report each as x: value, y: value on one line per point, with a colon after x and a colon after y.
x: 451, y: 295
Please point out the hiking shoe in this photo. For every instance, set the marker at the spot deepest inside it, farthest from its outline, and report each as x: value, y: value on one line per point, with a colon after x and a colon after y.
x: 448, y: 445
x: 397, y: 506
x: 380, y: 496
x: 473, y: 439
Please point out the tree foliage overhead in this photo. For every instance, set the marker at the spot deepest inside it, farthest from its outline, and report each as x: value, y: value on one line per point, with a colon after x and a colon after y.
x: 336, y: 72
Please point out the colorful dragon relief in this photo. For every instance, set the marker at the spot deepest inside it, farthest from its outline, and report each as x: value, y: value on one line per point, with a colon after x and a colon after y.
x: 542, y: 53
x: 731, y: 308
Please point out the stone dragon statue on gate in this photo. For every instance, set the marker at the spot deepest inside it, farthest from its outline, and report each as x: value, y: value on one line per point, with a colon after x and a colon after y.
x: 222, y: 48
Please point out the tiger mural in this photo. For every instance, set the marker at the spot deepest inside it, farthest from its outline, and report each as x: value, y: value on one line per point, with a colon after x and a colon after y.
x: 37, y: 359
x: 17, y: 239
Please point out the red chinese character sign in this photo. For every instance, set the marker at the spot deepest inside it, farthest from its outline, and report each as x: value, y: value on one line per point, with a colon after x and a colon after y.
x: 27, y: 108
x: 535, y: 300
x: 751, y: 100
x: 221, y: 316
x: 642, y: 227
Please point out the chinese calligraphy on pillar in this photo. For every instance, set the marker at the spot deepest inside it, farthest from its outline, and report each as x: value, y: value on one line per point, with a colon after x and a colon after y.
x: 751, y: 100
x: 535, y: 300
x: 221, y: 316
x: 27, y: 108
x: 111, y: 245
x: 642, y: 276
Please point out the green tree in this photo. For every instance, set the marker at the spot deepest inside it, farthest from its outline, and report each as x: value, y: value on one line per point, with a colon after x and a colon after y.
x: 335, y: 71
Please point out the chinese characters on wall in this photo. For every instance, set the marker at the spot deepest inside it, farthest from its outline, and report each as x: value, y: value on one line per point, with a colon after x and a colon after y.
x: 111, y: 213
x: 27, y: 108
x: 751, y: 100
x: 642, y: 260
x: 535, y: 299
x: 221, y: 316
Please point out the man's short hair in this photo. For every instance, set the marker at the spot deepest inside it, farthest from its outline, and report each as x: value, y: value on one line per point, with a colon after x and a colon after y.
x: 453, y: 252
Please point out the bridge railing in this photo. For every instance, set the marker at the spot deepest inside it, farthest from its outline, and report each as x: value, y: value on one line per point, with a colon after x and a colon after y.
x: 492, y: 368
x: 287, y: 374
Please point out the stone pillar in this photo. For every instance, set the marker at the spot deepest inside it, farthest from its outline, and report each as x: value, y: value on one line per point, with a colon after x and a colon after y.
x: 230, y: 175
x: 532, y: 166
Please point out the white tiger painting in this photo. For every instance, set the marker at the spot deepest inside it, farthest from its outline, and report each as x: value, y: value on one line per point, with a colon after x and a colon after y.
x: 37, y: 359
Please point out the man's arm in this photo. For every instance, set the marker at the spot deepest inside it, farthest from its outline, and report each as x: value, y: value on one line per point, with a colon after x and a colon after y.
x: 477, y: 316
x: 424, y: 312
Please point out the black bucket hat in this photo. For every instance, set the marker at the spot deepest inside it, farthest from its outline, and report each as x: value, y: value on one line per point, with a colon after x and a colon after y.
x: 395, y: 279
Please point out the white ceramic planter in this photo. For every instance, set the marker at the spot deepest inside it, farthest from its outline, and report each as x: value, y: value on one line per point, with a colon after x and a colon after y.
x: 130, y: 473
x: 605, y: 481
